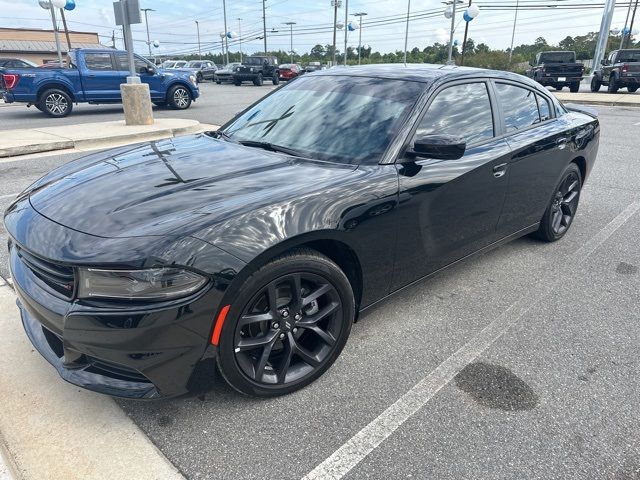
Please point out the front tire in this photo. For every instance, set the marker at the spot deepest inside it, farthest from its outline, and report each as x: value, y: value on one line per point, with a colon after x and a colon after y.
x: 55, y: 103
x: 287, y: 325
x: 595, y: 84
x: 563, y: 206
x: 258, y: 80
x: 275, y: 79
x: 574, y: 87
x: 632, y: 89
x: 179, y: 98
x: 199, y: 78
x: 613, y: 85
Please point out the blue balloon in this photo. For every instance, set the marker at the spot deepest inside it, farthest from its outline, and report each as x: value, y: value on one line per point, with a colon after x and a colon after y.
x: 626, y: 31
x: 466, y: 17
x: 70, y: 5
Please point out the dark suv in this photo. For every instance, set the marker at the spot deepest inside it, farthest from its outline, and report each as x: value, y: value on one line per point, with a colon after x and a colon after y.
x: 256, y: 69
x: 619, y: 70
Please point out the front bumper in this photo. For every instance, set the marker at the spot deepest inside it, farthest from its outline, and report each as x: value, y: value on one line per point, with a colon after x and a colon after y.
x: 629, y: 79
x: 245, y: 77
x: 554, y: 81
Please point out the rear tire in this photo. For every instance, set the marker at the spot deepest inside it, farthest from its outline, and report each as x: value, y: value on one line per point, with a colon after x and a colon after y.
x: 632, y: 89
x: 55, y: 103
x: 558, y: 217
x: 559, y: 88
x: 613, y: 85
x: 199, y: 78
x: 574, y: 87
x: 595, y: 84
x: 278, y: 337
x: 179, y: 97
x: 218, y: 82
x: 237, y: 83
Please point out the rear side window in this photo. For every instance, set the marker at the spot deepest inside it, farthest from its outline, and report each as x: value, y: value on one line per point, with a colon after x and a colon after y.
x: 544, y: 107
x: 98, y: 61
x: 463, y: 110
x: 519, y: 107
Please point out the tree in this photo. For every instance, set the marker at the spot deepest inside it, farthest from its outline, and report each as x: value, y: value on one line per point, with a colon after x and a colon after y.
x: 318, y: 52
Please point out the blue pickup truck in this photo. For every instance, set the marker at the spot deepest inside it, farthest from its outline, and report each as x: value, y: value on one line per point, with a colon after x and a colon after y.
x: 94, y: 77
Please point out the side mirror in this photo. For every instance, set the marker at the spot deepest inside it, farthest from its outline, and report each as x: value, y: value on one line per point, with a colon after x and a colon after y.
x: 603, y: 62
x: 531, y: 64
x: 440, y: 147
x: 150, y: 70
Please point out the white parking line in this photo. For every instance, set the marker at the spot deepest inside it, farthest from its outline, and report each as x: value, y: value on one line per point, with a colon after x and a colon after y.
x: 637, y: 123
x: 366, y: 440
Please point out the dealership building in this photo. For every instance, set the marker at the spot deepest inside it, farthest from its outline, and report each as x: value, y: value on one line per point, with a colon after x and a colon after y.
x: 39, y: 46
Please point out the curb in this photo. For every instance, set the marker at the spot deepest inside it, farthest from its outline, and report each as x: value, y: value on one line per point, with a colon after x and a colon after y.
x: 50, y: 139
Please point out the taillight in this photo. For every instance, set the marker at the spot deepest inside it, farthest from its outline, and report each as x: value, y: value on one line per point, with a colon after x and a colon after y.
x: 625, y: 68
x: 10, y: 80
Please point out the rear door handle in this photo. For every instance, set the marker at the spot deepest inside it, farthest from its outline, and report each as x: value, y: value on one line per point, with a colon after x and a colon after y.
x: 562, y: 143
x: 500, y: 170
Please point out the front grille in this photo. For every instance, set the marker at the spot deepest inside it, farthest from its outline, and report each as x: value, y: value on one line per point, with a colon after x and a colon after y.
x: 59, y: 277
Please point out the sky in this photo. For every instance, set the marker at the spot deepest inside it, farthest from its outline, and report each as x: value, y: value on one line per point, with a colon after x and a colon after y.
x: 172, y: 23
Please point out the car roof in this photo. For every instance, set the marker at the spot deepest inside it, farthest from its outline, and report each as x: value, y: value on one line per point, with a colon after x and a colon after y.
x: 421, y: 72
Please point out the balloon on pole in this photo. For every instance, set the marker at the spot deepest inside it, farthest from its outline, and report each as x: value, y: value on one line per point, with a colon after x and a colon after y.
x: 59, y: 3
x: 70, y: 5
x: 470, y: 13
x: 448, y: 12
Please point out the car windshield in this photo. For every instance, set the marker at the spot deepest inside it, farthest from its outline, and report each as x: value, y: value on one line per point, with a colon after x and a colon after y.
x: 194, y: 64
x: 179, y: 64
x: 334, y: 118
x: 558, y: 57
x: 253, y: 61
x: 285, y: 66
x: 632, y: 56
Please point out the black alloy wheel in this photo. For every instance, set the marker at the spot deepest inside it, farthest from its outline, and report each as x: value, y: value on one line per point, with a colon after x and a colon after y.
x: 294, y: 325
x: 55, y: 103
x: 564, y: 204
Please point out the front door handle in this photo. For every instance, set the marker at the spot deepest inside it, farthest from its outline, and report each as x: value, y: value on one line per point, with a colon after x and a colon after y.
x: 500, y: 170
x: 561, y: 143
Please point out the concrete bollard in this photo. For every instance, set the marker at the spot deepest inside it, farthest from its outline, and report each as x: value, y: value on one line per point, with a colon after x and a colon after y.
x: 136, y: 101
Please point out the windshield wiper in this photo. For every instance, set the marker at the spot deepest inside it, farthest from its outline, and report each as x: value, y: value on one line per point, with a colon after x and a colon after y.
x: 223, y: 135
x: 271, y: 147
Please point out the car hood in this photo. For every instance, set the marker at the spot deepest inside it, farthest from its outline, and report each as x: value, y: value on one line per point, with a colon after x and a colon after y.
x: 174, y: 187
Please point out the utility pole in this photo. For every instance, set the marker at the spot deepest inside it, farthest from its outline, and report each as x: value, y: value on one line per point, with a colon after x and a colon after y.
x: 626, y: 21
x: 464, y: 42
x: 453, y: 29
x: 513, y: 33
x: 199, y: 49
x: 291, y: 24
x: 146, y: 21
x: 226, y: 37
x: 359, y: 15
x: 55, y: 33
x: 113, y: 38
x: 335, y: 4
x: 240, y: 36
x: 605, y: 27
x: 66, y: 30
x: 633, y: 17
x: 346, y: 29
x: 406, y: 34
x: 264, y: 24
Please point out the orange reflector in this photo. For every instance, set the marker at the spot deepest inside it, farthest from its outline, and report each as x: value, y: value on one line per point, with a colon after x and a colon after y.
x: 215, y: 338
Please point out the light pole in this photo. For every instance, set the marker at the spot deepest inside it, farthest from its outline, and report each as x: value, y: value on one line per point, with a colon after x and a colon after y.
x: 513, y: 33
x: 336, y: 4
x: 226, y: 37
x: 146, y: 22
x: 359, y: 15
x: 51, y: 6
x: 240, y: 36
x: 633, y: 17
x: 453, y: 29
x: 291, y: 24
x: 605, y: 26
x: 198, y: 30
x: 264, y: 24
x: 406, y: 32
x: 346, y: 29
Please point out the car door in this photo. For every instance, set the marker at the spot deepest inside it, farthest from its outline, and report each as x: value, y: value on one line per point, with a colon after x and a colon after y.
x: 450, y: 208
x: 154, y: 80
x: 101, y: 81
x: 538, y: 142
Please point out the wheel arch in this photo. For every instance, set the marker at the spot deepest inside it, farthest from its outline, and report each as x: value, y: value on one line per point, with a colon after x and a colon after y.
x: 60, y: 86
x: 581, y: 162
x: 179, y: 83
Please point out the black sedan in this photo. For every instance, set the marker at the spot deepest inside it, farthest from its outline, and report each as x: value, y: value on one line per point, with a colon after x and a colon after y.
x: 255, y: 247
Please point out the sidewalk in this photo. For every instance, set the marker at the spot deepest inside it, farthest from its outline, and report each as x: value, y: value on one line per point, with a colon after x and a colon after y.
x: 50, y: 429
x: 610, y: 99
x: 92, y: 135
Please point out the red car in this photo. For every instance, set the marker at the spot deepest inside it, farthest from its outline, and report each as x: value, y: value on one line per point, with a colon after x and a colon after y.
x: 289, y: 71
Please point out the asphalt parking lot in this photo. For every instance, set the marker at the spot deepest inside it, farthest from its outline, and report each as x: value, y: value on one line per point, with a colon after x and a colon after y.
x: 216, y: 105
x: 520, y: 363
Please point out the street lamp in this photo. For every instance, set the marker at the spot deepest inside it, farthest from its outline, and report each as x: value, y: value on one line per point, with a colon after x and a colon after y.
x: 146, y: 21
x: 513, y: 33
x: 291, y: 24
x: 359, y: 15
x: 226, y: 41
x: 51, y: 6
x: 336, y: 4
x: 198, y: 30
x: 240, y: 37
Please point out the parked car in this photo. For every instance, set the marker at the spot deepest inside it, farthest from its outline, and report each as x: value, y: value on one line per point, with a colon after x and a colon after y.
x: 318, y: 201
x: 169, y: 64
x: 202, y: 69
x: 256, y: 69
x: 620, y: 69
x: 15, y: 63
x: 289, y: 71
x: 225, y: 74
x: 557, y: 69
x: 313, y: 67
x: 95, y: 78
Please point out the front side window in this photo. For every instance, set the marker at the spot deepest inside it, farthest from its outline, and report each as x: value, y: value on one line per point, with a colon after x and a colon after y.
x: 335, y: 118
x: 462, y: 110
x: 98, y: 61
x: 519, y: 107
x: 122, y: 62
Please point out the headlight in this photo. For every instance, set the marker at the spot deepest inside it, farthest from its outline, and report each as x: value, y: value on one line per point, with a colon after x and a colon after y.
x: 237, y: 69
x: 193, y: 79
x: 148, y: 284
x: 251, y: 69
